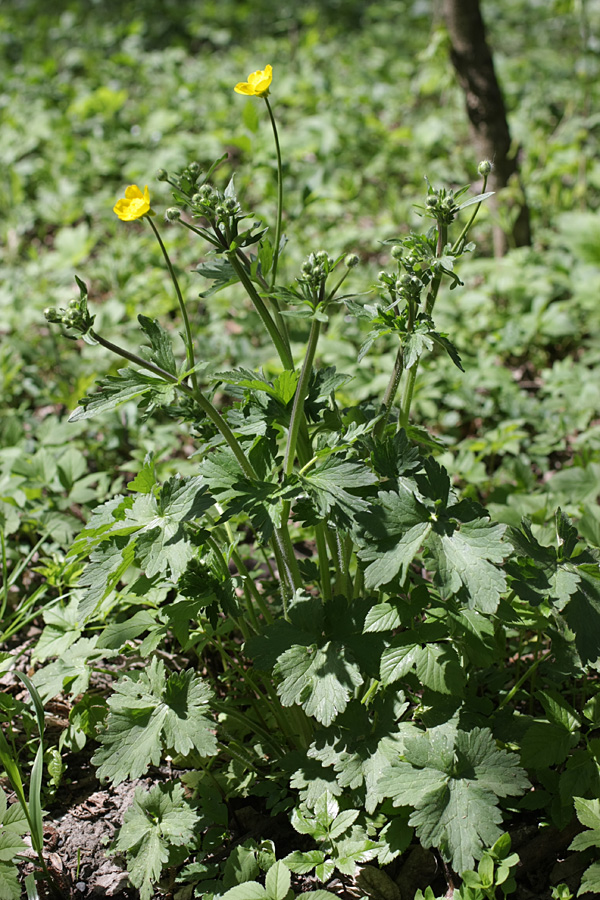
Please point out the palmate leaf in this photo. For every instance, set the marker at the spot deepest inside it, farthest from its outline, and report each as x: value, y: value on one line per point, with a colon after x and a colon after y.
x: 392, y: 532
x: 10, y: 889
x: 149, y: 713
x: 320, y: 679
x: 157, y: 820
x: 329, y: 485
x: 148, y: 530
x: 315, y: 654
x: 466, y: 559
x: 360, y: 746
x: 453, y: 779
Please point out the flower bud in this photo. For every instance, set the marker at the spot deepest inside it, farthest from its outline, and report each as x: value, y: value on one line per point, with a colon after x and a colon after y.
x: 172, y: 214
x: 230, y: 204
x: 406, y: 282
x: 50, y: 313
x: 162, y: 175
x: 397, y: 251
x: 194, y: 169
x: 484, y: 168
x: 432, y: 201
x: 351, y: 261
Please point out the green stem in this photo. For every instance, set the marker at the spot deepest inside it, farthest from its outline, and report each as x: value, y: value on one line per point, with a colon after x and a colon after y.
x: 297, y: 415
x: 4, y: 575
x: 528, y: 672
x: 189, y: 344
x: 279, y: 194
x: 249, y: 581
x: 409, y: 387
x: 197, y: 395
x: 225, y: 569
x: 407, y: 395
x: 463, y: 235
x: 323, y: 561
x: 202, y: 232
x: 278, y: 339
x: 390, y: 392
x: 284, y: 545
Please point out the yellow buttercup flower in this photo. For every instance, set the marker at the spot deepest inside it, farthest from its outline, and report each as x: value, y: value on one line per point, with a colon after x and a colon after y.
x: 134, y: 205
x: 258, y: 83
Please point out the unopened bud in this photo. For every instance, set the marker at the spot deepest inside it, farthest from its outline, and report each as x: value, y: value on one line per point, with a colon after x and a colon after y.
x: 194, y: 169
x: 484, y: 168
x: 432, y: 201
x: 397, y: 251
x: 162, y: 175
x: 351, y: 261
x: 172, y: 214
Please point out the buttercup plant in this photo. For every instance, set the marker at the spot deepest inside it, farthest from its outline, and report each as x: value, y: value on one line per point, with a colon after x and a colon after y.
x: 356, y: 631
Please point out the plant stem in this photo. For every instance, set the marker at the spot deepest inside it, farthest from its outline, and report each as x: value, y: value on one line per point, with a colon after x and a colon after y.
x: 279, y: 194
x: 390, y: 391
x: 279, y: 340
x: 411, y: 378
x: 4, y: 575
x: 249, y: 581
x: 205, y: 405
x: 323, y: 561
x: 189, y: 344
x: 297, y: 415
x: 463, y: 235
x: 530, y: 671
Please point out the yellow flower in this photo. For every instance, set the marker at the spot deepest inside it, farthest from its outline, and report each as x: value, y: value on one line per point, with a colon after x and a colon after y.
x: 258, y: 83
x: 134, y: 205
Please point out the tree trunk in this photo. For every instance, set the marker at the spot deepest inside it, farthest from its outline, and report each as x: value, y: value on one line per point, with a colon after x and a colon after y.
x: 472, y: 59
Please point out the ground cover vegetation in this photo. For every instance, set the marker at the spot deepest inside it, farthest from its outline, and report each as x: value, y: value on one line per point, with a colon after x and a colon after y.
x: 299, y: 520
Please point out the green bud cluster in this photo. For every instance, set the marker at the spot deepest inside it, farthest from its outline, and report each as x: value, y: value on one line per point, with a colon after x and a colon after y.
x: 441, y: 205
x: 401, y: 287
x: 315, y: 268
x: 76, y: 316
x: 214, y: 205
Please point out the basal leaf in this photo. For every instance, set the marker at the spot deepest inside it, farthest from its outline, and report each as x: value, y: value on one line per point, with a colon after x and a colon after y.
x: 158, y: 819
x: 320, y: 679
x: 392, y: 532
x: 465, y: 558
x: 438, y: 668
x: 149, y: 713
x: 453, y: 779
